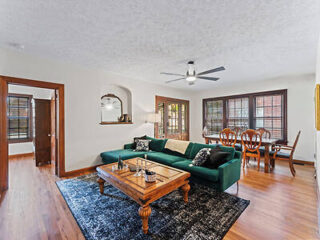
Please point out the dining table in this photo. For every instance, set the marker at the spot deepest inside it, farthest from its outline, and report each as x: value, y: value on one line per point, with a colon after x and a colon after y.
x: 266, y: 142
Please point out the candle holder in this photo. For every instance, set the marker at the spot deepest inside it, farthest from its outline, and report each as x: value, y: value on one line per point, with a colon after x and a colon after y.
x: 137, y: 174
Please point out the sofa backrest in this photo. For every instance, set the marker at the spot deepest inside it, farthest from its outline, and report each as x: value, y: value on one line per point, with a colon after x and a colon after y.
x: 158, y: 145
x: 198, y: 146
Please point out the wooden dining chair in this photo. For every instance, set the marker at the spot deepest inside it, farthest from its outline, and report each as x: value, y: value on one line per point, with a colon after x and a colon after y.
x: 228, y: 137
x: 264, y: 134
x: 278, y: 155
x: 251, y: 142
x: 238, y: 131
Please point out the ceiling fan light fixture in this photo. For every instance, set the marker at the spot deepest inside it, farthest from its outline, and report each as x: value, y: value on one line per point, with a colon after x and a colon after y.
x: 191, y: 78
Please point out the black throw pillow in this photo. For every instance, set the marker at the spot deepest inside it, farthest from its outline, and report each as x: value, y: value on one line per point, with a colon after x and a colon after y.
x: 217, y: 157
x: 135, y: 140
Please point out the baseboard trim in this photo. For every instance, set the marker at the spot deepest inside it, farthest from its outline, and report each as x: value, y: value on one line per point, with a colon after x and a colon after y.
x: 299, y: 162
x: 303, y: 162
x: 81, y: 171
x: 21, y: 155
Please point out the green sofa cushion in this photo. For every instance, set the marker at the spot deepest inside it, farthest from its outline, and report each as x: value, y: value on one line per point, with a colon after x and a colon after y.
x: 157, y: 144
x: 202, y: 172
x: 112, y: 156
x: 198, y: 146
x: 164, y: 158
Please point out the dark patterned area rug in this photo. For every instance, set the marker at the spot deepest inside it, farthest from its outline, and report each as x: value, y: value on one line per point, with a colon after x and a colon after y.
x: 208, y: 215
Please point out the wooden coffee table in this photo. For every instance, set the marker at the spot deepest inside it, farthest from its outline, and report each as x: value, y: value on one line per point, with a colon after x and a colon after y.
x: 144, y: 193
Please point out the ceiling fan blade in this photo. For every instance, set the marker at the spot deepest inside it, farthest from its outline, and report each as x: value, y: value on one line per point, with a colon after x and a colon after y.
x: 212, y: 71
x: 209, y: 78
x: 174, y: 80
x: 174, y: 74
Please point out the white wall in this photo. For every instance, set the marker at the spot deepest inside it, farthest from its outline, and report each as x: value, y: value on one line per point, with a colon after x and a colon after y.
x: 85, y: 138
x: 300, y: 108
x: 39, y: 93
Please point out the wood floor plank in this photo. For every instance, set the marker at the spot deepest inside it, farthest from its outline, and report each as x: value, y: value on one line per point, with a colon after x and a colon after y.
x: 282, y: 207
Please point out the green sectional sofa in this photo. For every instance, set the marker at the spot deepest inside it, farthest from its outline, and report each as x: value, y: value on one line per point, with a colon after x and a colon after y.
x: 221, y: 178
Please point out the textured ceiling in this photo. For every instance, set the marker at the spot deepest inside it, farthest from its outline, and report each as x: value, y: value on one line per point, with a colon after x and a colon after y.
x: 254, y: 40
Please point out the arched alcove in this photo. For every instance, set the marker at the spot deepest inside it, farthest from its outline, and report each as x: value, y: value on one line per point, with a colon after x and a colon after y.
x: 113, y: 92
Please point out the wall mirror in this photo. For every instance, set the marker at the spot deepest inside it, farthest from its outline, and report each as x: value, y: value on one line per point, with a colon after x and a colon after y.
x: 111, y: 109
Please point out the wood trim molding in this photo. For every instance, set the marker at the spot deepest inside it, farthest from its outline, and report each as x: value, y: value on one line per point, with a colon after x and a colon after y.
x: 4, y: 180
x: 303, y: 162
x: 298, y: 161
x: 60, y: 110
x: 21, y: 155
x: 81, y: 170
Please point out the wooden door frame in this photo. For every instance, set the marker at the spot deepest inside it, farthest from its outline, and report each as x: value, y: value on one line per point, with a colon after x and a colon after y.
x: 167, y: 100
x: 60, y: 148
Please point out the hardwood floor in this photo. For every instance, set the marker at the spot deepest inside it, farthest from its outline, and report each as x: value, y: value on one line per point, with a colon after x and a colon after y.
x: 282, y: 207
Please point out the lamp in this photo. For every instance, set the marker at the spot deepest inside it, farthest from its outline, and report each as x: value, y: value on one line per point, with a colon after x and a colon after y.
x: 153, y: 117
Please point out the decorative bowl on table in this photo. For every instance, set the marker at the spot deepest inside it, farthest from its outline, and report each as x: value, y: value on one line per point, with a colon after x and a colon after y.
x: 150, y: 176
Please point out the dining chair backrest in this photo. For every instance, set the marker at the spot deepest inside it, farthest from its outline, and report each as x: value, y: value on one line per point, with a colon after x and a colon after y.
x: 251, y: 140
x: 295, y: 144
x: 228, y: 137
x: 239, y: 130
x: 264, y: 133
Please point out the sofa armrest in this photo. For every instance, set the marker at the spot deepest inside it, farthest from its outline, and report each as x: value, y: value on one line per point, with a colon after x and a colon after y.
x: 229, y: 173
x: 238, y: 155
x: 128, y: 146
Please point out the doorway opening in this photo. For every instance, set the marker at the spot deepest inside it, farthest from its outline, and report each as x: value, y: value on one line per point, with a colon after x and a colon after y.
x: 174, y: 122
x: 32, y: 124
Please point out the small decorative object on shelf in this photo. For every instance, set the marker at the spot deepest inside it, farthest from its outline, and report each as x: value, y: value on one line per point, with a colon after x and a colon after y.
x: 120, y: 163
x: 150, y: 176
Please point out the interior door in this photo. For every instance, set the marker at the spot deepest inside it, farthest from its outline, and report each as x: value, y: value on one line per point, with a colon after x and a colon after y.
x: 174, y: 122
x: 42, y: 131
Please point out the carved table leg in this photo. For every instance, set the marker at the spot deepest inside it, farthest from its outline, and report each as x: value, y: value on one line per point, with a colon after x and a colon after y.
x: 144, y: 213
x: 185, y: 188
x: 101, y: 185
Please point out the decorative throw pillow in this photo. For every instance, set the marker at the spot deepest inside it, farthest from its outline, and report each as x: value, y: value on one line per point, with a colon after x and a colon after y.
x: 201, y: 157
x: 216, y: 158
x: 143, y: 145
x: 134, y: 145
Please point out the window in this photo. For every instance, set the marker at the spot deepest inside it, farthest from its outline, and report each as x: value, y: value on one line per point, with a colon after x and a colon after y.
x: 255, y: 110
x: 269, y: 114
x: 238, y: 113
x: 214, y: 115
x: 173, y: 118
x: 19, y: 118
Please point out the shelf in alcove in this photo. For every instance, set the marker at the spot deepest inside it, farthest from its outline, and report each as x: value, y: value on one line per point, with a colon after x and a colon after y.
x: 112, y: 123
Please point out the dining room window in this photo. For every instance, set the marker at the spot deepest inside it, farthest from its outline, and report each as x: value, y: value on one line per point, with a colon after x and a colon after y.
x: 238, y: 113
x: 214, y: 116
x: 269, y: 113
x: 253, y: 110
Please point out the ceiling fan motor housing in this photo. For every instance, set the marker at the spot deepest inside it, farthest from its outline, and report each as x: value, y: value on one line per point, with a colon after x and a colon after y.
x: 191, y: 69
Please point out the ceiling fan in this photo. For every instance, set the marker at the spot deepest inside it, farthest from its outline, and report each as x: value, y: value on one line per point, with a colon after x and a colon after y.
x: 191, y: 76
